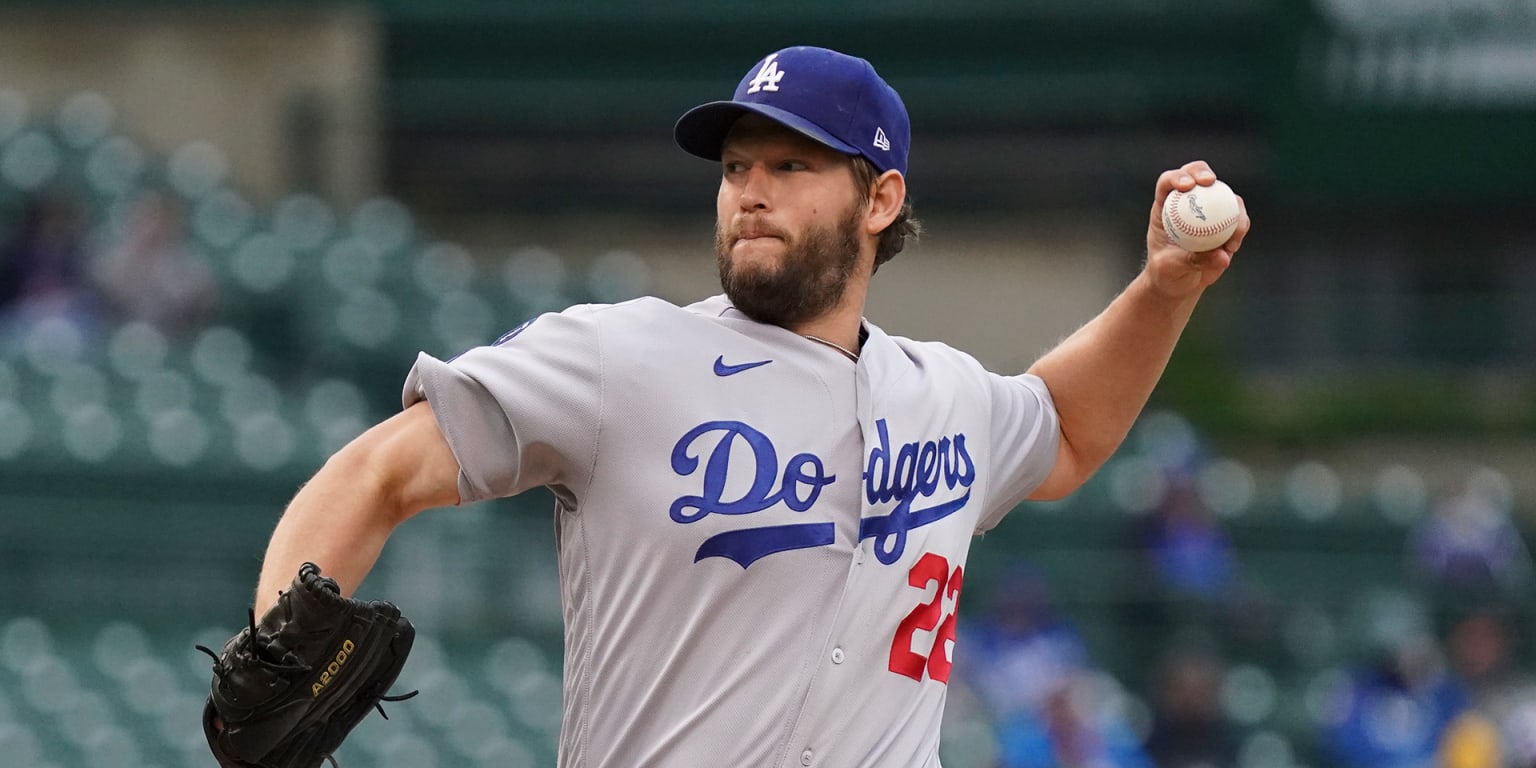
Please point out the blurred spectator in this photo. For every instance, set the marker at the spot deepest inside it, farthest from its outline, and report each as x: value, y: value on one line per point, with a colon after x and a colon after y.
x: 1396, y: 712
x: 1469, y: 545
x: 40, y: 266
x: 1482, y: 645
x: 1481, y: 649
x: 1022, y: 648
x: 1078, y: 727
x: 1184, y: 576
x: 148, y: 272
x: 1030, y: 669
x: 1189, y: 728
x: 1184, y: 549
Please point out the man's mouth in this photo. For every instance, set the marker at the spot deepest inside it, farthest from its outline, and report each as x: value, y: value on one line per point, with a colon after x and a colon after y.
x: 756, y: 229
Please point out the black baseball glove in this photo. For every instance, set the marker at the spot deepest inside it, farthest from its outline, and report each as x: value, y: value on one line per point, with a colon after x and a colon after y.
x: 288, y: 690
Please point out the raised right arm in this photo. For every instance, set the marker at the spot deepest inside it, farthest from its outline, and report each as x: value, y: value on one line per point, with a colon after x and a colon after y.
x: 341, y: 518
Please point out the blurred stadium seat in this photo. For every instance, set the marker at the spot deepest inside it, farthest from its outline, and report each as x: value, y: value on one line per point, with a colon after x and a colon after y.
x: 321, y: 313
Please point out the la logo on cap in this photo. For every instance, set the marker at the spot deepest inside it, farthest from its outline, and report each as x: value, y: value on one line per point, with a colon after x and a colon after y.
x: 768, y: 77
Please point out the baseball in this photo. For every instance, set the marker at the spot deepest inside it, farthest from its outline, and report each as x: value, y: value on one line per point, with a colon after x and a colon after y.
x: 1202, y: 219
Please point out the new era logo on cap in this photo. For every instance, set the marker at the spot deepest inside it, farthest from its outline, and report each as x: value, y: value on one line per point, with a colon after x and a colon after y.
x: 836, y: 99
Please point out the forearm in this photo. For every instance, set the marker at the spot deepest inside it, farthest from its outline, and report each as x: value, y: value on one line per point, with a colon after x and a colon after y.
x: 336, y: 521
x: 342, y: 517
x: 1102, y: 375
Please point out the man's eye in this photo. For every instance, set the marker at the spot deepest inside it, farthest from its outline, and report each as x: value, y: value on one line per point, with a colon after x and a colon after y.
x: 734, y: 167
x: 791, y: 165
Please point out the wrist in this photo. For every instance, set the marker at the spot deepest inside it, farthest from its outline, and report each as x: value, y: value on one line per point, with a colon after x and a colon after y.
x: 1172, y: 295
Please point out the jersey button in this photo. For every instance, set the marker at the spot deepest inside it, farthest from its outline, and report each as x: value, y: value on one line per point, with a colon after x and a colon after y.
x: 837, y: 655
x: 805, y: 757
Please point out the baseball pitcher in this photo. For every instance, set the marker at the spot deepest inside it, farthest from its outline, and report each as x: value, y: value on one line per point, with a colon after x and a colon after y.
x: 764, y: 501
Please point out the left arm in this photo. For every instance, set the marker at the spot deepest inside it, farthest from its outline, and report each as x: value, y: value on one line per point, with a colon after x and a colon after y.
x: 1101, y: 376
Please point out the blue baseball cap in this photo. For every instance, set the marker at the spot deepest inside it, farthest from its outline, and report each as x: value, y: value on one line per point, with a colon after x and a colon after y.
x: 831, y: 97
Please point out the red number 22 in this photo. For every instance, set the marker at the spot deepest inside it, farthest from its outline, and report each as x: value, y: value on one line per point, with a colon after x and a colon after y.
x: 930, y: 569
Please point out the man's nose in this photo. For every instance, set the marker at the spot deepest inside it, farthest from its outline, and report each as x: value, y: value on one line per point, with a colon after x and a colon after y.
x: 756, y: 189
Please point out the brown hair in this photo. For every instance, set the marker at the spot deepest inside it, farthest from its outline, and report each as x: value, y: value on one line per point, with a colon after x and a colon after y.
x: 894, y: 237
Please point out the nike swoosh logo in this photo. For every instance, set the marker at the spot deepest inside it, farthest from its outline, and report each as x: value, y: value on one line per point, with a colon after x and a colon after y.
x: 721, y: 369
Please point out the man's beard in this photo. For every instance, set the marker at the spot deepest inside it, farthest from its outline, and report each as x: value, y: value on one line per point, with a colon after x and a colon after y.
x: 809, y: 279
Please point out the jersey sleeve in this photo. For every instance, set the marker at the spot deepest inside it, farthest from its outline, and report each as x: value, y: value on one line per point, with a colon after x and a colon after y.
x: 1026, y: 432
x: 522, y: 412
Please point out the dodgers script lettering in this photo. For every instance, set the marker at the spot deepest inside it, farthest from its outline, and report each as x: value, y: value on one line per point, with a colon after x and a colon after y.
x: 734, y: 455
x: 797, y: 487
x: 913, y: 471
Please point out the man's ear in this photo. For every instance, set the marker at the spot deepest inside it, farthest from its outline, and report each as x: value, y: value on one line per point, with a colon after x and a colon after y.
x: 885, y: 201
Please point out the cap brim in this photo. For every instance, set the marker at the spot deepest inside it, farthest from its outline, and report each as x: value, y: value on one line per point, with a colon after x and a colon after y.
x: 701, y: 131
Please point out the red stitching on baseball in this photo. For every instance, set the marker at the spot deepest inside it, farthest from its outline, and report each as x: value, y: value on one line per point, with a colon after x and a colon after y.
x: 1209, y: 229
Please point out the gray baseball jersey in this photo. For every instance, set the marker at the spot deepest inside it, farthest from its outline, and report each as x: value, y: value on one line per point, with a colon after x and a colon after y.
x: 762, y: 542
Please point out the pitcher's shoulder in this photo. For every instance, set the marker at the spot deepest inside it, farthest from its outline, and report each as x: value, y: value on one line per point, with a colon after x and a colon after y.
x: 920, y: 353
x: 653, y: 319
x: 647, y: 307
x: 660, y: 313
